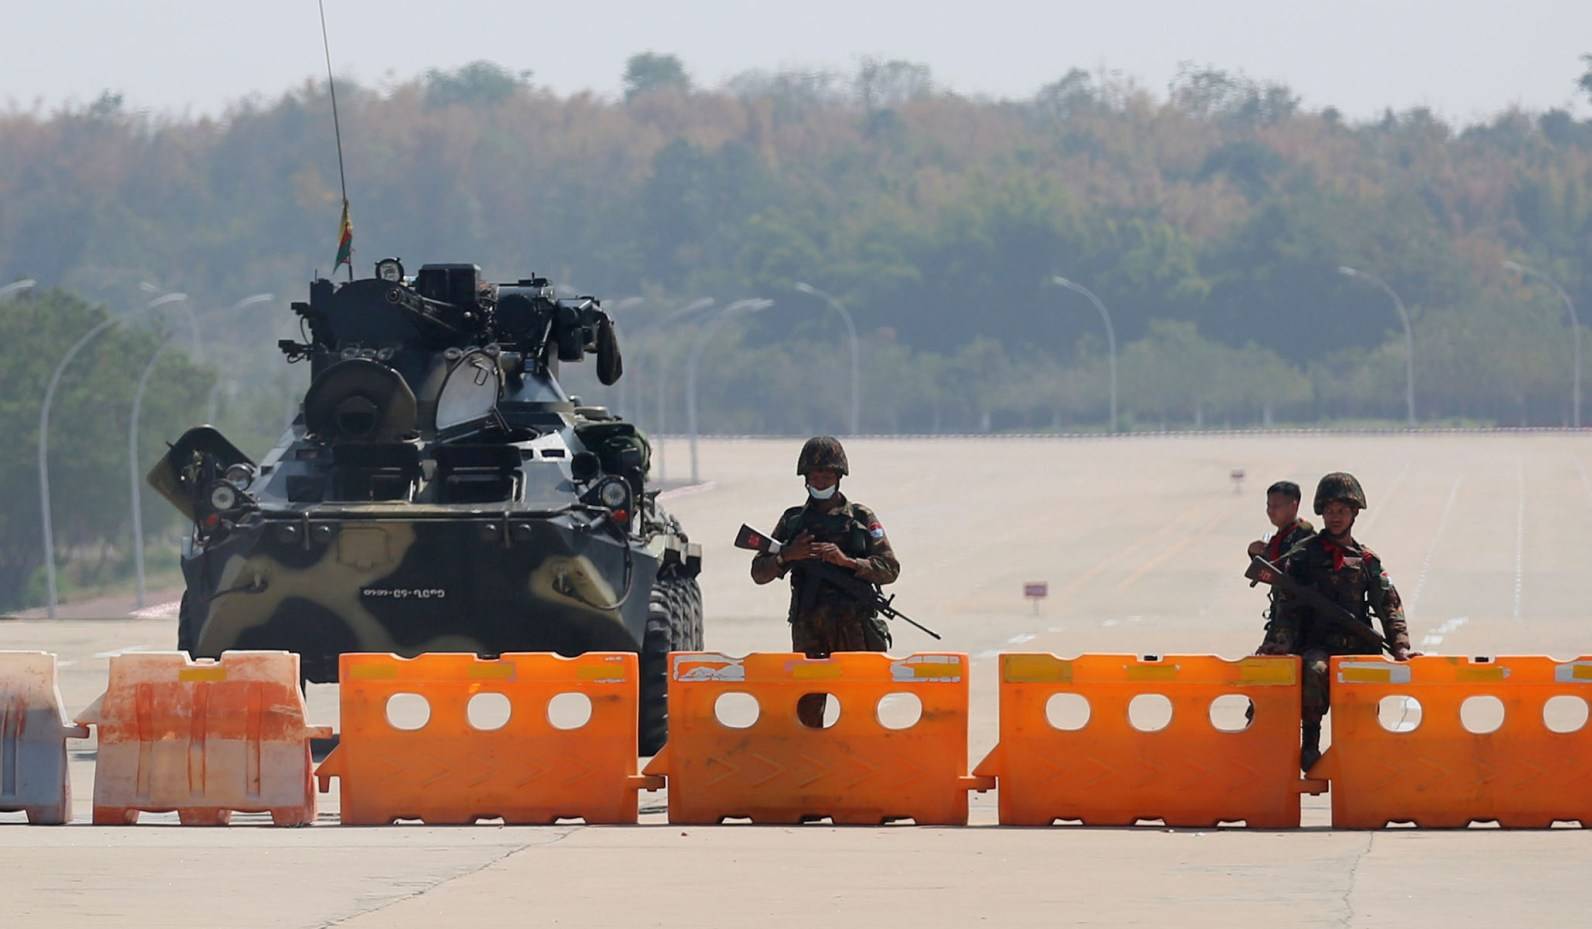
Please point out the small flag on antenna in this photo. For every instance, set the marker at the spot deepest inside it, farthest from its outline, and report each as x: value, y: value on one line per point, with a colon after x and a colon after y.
x: 345, y: 241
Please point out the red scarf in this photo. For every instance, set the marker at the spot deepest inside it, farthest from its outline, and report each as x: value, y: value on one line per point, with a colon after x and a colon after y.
x: 1335, y: 550
x: 1274, y: 547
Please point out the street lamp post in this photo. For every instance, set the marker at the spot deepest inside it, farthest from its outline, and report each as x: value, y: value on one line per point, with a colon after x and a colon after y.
x: 750, y: 305
x: 856, y: 364
x: 44, y: 451
x: 1575, y: 323
x: 212, y: 402
x: 15, y: 287
x: 171, y: 296
x: 44, y: 442
x: 137, y: 486
x: 132, y: 470
x: 663, y: 382
x: 1409, y: 335
x: 1111, y: 336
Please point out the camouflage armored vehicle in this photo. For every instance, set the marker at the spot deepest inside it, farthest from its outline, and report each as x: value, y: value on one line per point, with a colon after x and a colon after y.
x: 438, y: 491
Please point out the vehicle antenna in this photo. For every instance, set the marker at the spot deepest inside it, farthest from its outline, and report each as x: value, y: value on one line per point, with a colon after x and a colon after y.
x: 345, y: 231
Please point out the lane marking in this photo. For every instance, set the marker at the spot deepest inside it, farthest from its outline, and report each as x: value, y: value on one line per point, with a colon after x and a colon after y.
x: 1108, y: 623
x: 988, y: 653
x: 1398, y: 484
x: 1074, y: 585
x: 1195, y: 530
x: 688, y: 490
x: 1520, y: 534
x: 1436, y: 637
x: 1024, y: 637
x: 1437, y: 537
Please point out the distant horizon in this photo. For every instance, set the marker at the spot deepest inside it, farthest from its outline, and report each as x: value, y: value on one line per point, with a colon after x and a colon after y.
x: 184, y: 59
x: 391, y: 82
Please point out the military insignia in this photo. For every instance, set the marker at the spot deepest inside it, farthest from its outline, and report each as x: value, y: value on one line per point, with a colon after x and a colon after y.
x: 875, y: 531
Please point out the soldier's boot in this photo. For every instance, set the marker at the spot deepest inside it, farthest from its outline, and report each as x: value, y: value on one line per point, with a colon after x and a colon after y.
x: 1310, y: 747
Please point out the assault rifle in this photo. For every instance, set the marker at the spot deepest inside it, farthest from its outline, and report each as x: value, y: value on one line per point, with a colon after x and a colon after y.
x: 817, y: 572
x: 1337, y: 615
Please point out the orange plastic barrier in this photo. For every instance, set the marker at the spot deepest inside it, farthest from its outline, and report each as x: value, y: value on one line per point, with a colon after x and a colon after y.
x: 1429, y: 769
x: 857, y: 771
x: 450, y: 770
x: 33, y: 734
x: 1108, y: 772
x: 203, y: 738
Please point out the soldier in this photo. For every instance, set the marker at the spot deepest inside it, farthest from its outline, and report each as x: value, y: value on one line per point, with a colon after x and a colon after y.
x: 832, y: 529
x: 1348, y: 573
x: 1288, y: 532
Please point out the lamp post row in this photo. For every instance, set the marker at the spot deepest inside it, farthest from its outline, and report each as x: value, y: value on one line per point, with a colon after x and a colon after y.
x: 162, y: 299
x: 9, y: 291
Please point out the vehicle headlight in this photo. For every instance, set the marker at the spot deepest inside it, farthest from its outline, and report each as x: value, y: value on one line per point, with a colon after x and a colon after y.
x: 390, y: 270
x: 613, y: 494
x: 239, y: 475
x: 223, y: 497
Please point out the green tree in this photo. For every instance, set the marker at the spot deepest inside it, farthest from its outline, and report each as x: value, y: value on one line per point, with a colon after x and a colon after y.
x: 648, y: 71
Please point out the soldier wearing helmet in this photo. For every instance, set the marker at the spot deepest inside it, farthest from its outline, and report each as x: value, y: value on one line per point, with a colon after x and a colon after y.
x: 832, y: 529
x: 1348, y: 573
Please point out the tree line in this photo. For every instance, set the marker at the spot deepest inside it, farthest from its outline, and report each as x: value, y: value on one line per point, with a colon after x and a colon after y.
x: 1210, y: 217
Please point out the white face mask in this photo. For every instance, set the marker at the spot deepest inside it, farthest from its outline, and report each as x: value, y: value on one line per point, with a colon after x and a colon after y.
x: 824, y: 494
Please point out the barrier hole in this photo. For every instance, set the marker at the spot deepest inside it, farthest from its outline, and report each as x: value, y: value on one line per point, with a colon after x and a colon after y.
x: 899, y: 711
x: 1068, y: 712
x: 1481, y: 714
x: 1150, y: 712
x: 1565, y: 713
x: 488, y: 711
x: 807, y: 710
x: 408, y: 711
x: 1232, y: 712
x: 736, y: 710
x: 1398, y: 713
x: 569, y: 710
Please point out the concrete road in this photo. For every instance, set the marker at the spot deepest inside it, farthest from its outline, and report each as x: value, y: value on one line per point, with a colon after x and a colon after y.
x: 1141, y: 541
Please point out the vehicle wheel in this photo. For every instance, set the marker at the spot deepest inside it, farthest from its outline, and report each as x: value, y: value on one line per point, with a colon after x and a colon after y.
x: 656, y: 643
x: 693, y: 602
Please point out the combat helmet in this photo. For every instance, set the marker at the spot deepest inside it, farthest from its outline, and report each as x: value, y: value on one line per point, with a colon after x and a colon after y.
x: 820, y: 452
x: 1339, y: 485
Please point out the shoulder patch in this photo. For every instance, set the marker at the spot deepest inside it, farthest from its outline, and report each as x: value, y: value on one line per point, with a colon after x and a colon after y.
x: 867, y: 520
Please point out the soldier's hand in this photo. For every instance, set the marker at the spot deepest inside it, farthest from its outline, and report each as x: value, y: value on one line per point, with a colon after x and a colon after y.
x: 1273, y: 648
x: 830, y: 553
x: 1405, y: 654
x: 798, y: 549
x: 1256, y: 548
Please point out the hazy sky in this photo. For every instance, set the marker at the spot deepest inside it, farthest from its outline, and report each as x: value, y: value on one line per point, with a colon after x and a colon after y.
x: 1464, y: 58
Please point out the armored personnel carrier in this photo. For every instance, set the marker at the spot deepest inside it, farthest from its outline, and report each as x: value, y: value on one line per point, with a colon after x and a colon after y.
x: 438, y: 491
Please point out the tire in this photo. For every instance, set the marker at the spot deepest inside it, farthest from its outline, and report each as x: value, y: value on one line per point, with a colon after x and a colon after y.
x: 653, y: 713
x: 674, y: 624
x: 693, y: 599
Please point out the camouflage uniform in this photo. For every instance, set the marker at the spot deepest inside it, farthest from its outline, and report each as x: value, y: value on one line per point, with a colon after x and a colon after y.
x: 824, y: 620
x: 1278, y: 548
x: 1349, y: 574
